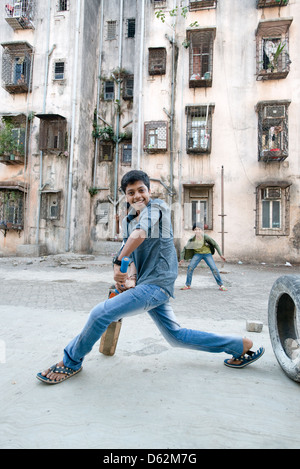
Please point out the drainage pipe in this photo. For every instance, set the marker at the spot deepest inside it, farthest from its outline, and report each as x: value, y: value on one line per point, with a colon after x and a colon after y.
x: 118, y: 119
x: 37, y: 235
x: 172, y: 110
x: 98, y: 91
x: 139, y: 144
x: 75, y: 75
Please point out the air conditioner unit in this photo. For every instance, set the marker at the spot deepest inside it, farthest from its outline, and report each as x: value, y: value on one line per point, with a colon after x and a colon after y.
x: 17, y: 10
x: 274, y: 112
x: 271, y: 193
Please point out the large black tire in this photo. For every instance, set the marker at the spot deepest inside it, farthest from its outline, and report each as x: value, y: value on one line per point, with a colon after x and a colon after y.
x: 284, y: 323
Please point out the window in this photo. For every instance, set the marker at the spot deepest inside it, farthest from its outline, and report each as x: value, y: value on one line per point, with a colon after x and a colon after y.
x: 53, y: 132
x: 111, y: 30
x: 16, y: 67
x: 131, y: 27
x: 106, y: 152
x: 157, y: 61
x: 109, y: 90
x: 51, y: 202
x: 59, y: 70
x: 272, y: 130
x: 11, y: 209
x: 200, y: 57
x: 202, y: 4
x: 199, y: 128
x: 128, y: 83
x: 126, y: 153
x: 155, y: 137
x: 272, y: 209
x: 272, y: 49
x: 198, y: 205
x: 62, y: 5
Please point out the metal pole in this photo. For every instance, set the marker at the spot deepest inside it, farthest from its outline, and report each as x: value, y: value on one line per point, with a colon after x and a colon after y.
x: 222, y: 209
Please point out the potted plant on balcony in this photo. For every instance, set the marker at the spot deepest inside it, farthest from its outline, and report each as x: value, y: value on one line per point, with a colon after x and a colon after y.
x: 9, y: 146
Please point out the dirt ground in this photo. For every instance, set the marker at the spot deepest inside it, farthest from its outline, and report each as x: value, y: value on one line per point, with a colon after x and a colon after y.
x: 148, y: 395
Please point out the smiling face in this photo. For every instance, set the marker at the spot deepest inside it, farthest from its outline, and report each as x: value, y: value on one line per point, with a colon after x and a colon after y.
x: 138, y: 195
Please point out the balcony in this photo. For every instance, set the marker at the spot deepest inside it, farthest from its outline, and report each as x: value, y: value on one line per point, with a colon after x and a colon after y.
x: 16, y: 67
x: 19, y: 15
x: 13, y: 139
x: 272, y: 49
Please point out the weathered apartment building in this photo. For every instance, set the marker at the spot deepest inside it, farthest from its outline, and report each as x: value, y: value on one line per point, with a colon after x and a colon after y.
x: 203, y: 95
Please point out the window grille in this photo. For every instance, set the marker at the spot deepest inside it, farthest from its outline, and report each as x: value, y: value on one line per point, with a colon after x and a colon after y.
x: 16, y: 67
x: 272, y: 209
x: 272, y: 131
x: 11, y: 209
x: 126, y: 153
x: 156, y: 135
x: 53, y: 133
x: 128, y: 84
x: 157, y: 61
x: 109, y: 91
x: 59, y: 70
x: 271, y: 3
x: 106, y: 152
x: 199, y: 128
x: 272, y: 49
x: 202, y: 4
x: 131, y: 28
x: 62, y: 5
x: 111, y: 30
x: 201, y: 57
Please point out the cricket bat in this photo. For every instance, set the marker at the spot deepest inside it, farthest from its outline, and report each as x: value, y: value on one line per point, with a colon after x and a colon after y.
x: 109, y: 338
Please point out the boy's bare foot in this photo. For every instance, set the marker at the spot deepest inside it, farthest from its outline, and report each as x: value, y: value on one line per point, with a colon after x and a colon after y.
x: 54, y: 376
x: 57, y: 373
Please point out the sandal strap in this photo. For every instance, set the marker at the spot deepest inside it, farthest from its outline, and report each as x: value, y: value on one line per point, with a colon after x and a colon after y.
x: 64, y: 370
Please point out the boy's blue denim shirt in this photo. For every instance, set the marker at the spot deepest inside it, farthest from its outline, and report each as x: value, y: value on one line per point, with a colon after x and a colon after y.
x: 155, y: 259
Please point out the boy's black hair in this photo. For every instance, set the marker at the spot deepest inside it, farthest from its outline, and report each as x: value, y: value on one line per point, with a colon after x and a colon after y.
x: 132, y: 176
x: 198, y: 225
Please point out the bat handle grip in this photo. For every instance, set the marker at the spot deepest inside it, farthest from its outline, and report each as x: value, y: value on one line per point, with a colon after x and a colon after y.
x: 124, y: 264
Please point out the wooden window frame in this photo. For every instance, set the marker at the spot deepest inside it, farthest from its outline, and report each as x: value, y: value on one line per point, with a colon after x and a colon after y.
x: 202, y: 196
x: 53, y: 133
x: 265, y: 195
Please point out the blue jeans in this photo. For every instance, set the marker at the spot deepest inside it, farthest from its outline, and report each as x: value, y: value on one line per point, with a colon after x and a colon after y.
x: 197, y: 258
x: 155, y: 300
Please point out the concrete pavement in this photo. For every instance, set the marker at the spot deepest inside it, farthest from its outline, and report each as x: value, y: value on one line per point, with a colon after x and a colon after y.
x: 148, y: 395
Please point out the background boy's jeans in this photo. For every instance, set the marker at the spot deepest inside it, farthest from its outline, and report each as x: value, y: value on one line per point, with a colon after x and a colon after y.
x: 208, y: 258
x: 153, y: 299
